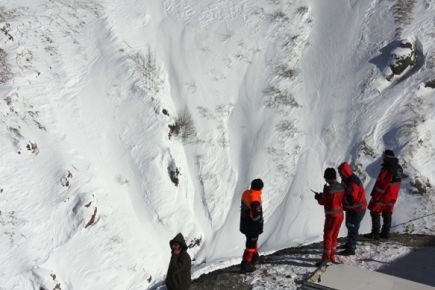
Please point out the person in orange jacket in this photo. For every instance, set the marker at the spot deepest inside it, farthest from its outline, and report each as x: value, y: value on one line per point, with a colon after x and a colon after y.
x: 354, y: 205
x: 384, y: 195
x: 332, y: 200
x: 251, y: 223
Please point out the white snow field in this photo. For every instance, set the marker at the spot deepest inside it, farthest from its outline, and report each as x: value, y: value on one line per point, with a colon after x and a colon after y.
x: 126, y: 122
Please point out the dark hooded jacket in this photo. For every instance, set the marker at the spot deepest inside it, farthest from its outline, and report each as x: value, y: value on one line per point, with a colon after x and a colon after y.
x: 178, y: 276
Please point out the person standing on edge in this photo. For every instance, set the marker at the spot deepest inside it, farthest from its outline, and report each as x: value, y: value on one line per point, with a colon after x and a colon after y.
x: 332, y: 199
x: 178, y: 276
x: 384, y: 195
x: 251, y: 223
x: 354, y: 205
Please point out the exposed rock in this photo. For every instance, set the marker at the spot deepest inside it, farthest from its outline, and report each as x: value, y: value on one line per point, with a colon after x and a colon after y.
x: 430, y: 84
x: 402, y: 57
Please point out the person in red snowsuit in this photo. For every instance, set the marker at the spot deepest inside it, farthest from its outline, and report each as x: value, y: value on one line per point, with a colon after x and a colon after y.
x: 384, y: 195
x: 332, y: 199
x: 251, y: 223
x: 354, y: 205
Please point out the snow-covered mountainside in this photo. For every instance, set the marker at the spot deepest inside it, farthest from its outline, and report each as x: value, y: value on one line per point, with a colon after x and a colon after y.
x: 126, y: 122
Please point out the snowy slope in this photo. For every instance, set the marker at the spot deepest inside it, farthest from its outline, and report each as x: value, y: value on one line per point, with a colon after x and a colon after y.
x: 95, y: 178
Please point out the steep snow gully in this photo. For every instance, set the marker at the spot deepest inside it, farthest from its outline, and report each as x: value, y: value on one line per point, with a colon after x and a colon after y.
x: 124, y: 123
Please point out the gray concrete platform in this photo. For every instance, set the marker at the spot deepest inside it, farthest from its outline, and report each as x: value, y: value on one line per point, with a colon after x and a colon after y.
x: 345, y: 277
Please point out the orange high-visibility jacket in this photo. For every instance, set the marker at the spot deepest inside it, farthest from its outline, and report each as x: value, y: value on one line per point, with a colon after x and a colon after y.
x: 251, y: 213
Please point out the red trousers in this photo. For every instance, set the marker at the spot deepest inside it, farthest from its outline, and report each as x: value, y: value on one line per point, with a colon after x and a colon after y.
x: 330, y: 234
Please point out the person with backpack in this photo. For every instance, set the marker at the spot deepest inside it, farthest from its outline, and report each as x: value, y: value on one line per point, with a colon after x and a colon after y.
x: 354, y: 205
x: 178, y: 276
x: 251, y: 223
x: 332, y: 200
x: 384, y: 196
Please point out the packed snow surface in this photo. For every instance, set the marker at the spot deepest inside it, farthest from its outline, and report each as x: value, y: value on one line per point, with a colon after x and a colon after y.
x: 126, y: 122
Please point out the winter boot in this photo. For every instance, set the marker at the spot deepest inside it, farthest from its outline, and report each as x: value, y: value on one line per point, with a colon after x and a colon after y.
x: 376, y: 225
x: 347, y: 252
x: 372, y: 236
x: 246, y: 266
x: 384, y: 235
x: 385, y: 232
x: 343, y: 246
x: 255, y: 258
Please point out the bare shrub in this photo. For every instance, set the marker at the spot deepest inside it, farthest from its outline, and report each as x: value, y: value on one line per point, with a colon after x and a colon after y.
x: 367, y: 150
x: 278, y: 16
x: 285, y: 72
x: 5, y: 29
x: 287, y: 127
x: 195, y: 242
x: 302, y: 10
x: 5, y: 73
x: 183, y: 126
x: 149, y: 71
x: 403, y: 11
x: 277, y: 97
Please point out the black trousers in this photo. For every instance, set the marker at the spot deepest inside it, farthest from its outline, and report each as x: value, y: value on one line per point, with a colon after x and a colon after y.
x: 376, y: 222
x: 251, y: 241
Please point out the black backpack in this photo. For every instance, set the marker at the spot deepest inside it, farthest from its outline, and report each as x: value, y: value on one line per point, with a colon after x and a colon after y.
x: 397, y: 172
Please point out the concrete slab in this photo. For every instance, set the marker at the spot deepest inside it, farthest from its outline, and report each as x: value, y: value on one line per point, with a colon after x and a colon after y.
x: 344, y: 277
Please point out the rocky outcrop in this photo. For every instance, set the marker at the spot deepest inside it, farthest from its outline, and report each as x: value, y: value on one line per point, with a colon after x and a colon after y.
x: 403, y: 57
x: 397, y: 57
x: 430, y: 84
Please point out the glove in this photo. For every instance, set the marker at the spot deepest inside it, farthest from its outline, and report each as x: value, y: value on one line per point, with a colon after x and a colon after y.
x: 317, y: 195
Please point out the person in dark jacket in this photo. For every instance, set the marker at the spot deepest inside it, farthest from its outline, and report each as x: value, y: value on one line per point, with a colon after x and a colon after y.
x: 332, y: 199
x: 251, y: 223
x: 178, y: 276
x: 354, y: 205
x: 384, y: 195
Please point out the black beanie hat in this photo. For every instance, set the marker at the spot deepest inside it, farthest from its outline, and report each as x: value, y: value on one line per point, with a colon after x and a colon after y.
x: 388, y: 154
x: 257, y: 184
x: 330, y: 174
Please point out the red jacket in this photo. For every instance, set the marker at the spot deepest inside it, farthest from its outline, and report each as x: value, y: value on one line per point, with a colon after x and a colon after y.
x: 387, y: 186
x: 332, y: 198
x: 355, y: 194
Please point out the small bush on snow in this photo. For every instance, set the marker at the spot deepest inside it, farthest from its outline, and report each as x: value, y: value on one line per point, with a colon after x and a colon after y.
x: 278, y: 16
x: 183, y: 126
x: 277, y: 97
x: 5, y: 73
x: 288, y: 128
x: 149, y: 71
x: 403, y: 11
x: 285, y: 72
